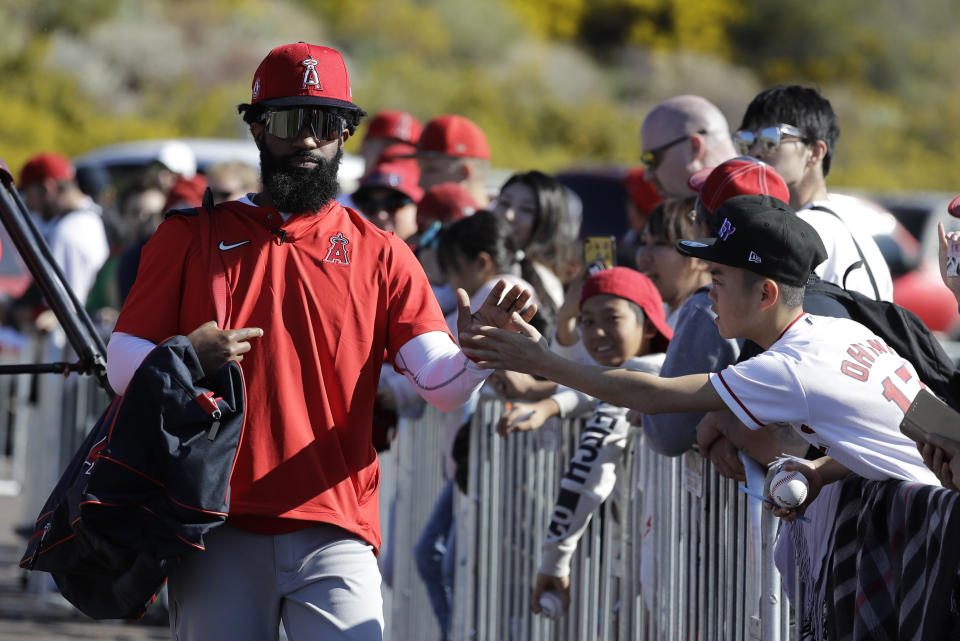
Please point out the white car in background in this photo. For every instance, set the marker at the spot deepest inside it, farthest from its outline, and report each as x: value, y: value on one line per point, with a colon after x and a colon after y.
x: 124, y: 159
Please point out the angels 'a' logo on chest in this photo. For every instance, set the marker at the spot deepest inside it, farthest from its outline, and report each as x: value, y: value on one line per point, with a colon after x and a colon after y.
x: 337, y: 252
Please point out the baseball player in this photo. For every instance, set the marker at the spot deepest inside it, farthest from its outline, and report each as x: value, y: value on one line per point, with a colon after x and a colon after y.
x: 831, y: 379
x: 314, y: 296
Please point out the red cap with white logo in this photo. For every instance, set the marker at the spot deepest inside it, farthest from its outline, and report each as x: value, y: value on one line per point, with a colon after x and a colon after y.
x: 302, y: 75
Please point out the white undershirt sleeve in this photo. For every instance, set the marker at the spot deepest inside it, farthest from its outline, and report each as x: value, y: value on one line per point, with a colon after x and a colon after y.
x: 125, y: 352
x: 440, y: 372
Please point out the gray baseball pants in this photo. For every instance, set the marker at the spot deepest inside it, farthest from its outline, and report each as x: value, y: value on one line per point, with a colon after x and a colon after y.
x: 322, y: 583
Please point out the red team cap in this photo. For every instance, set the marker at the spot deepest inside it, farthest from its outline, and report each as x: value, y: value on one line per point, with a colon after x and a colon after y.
x: 445, y: 202
x: 302, y: 75
x: 399, y: 175
x: 630, y: 284
x: 454, y: 135
x: 740, y: 176
x: 395, y: 125
x: 46, y: 166
x: 186, y: 192
x: 396, y: 151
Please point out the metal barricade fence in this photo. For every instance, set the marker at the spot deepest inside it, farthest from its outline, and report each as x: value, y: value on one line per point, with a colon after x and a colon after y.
x: 43, y: 419
x: 677, y: 557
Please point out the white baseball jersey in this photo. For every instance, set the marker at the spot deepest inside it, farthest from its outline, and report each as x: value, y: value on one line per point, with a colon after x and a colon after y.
x: 841, y: 387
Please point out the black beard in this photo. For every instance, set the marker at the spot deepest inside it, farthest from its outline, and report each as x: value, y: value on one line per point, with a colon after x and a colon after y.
x: 295, y: 190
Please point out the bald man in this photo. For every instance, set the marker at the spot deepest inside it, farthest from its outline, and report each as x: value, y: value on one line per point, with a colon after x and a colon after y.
x: 680, y: 136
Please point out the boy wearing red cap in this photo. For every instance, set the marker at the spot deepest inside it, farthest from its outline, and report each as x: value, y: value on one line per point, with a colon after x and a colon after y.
x: 326, y: 295
x: 622, y: 324
x: 454, y: 149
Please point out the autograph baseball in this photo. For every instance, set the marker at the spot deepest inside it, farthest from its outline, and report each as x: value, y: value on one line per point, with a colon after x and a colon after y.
x: 788, y: 488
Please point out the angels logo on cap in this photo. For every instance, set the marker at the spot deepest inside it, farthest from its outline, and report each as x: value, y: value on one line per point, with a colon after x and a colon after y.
x: 310, y: 74
x: 302, y: 75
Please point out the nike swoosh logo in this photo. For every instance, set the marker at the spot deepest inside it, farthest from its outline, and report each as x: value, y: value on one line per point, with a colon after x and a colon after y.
x: 224, y: 247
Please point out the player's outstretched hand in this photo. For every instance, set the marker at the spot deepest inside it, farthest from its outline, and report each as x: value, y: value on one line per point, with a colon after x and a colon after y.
x: 215, y: 346
x: 493, y: 348
x: 498, y: 309
x: 547, y: 582
x: 940, y: 455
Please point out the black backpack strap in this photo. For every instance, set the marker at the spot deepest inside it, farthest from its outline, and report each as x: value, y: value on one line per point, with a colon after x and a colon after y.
x: 863, y: 260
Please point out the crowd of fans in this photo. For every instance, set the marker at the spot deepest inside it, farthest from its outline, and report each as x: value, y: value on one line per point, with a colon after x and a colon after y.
x: 654, y: 313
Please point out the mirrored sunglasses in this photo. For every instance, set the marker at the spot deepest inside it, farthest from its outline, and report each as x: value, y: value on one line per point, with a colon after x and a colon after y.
x: 288, y: 123
x: 768, y: 138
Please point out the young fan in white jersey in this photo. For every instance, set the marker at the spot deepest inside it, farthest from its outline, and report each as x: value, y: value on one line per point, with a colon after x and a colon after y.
x: 833, y: 380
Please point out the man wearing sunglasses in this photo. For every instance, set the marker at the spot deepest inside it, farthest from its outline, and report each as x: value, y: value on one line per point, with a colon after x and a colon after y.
x: 327, y: 297
x: 679, y: 137
x: 795, y: 129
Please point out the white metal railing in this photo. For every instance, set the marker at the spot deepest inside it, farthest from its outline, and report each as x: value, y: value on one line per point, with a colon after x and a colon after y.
x: 674, y: 554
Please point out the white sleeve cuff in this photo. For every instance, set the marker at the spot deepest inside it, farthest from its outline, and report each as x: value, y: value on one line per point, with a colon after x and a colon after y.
x: 125, y: 352
x: 441, y: 373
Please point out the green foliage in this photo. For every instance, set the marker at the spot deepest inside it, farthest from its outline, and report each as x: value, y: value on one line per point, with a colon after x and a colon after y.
x: 552, y: 82
x: 552, y: 19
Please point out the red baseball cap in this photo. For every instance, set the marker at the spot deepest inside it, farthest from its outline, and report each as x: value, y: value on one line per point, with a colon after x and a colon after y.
x: 397, y: 151
x: 395, y: 125
x: 401, y: 175
x: 740, y: 176
x: 630, y: 284
x: 186, y: 192
x: 454, y: 135
x: 642, y: 192
x: 445, y: 202
x: 43, y: 166
x: 302, y: 75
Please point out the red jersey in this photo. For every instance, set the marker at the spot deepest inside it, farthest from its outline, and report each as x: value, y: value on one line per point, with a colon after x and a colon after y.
x: 333, y: 295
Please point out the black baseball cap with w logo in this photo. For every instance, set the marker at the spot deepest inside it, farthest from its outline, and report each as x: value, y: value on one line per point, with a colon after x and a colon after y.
x: 764, y: 235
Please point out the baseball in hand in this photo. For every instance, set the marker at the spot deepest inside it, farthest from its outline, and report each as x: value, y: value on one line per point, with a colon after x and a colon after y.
x: 788, y: 488
x: 551, y: 605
